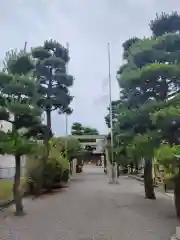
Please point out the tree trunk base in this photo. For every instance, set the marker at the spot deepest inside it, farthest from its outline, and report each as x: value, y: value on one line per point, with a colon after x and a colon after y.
x: 148, y: 181
x: 151, y: 197
x: 20, y: 214
x: 19, y: 208
x: 16, y: 188
x: 149, y: 189
x: 177, y: 196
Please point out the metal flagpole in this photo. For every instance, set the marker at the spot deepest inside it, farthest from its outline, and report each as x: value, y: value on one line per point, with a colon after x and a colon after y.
x: 66, y: 116
x: 25, y: 46
x: 111, y: 117
x: 66, y: 142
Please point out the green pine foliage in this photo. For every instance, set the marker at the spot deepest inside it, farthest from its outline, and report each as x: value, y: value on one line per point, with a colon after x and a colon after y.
x: 19, y: 96
x: 79, y: 129
x: 51, y: 61
x: 147, y: 113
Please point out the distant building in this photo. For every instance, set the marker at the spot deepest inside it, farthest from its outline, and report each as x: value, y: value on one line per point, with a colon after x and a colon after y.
x: 94, y: 142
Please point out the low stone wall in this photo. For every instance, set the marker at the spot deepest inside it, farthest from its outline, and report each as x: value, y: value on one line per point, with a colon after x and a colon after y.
x: 7, y: 166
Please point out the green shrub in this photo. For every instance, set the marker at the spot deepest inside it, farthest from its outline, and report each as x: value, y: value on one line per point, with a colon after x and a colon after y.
x: 46, y: 173
x: 73, y: 146
x: 34, y: 170
x: 165, y: 156
x: 52, y: 174
x: 65, y: 176
x: 169, y: 181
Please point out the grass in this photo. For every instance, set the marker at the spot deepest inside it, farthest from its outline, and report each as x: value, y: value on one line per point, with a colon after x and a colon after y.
x: 6, y: 186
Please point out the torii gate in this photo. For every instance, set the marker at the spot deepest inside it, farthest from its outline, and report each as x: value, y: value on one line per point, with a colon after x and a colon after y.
x: 97, y: 142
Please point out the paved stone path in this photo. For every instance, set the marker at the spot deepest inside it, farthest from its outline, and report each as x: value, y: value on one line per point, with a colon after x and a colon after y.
x: 93, y: 209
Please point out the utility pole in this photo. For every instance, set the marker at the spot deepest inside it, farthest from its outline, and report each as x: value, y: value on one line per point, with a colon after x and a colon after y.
x: 111, y: 118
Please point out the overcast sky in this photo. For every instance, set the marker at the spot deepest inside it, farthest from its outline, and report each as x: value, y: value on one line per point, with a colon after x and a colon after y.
x: 87, y: 25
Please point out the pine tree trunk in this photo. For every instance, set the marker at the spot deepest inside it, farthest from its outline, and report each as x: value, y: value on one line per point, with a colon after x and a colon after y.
x: 148, y: 180
x: 48, y: 112
x: 16, y: 188
x: 177, y: 195
x: 47, y: 138
x: 48, y: 115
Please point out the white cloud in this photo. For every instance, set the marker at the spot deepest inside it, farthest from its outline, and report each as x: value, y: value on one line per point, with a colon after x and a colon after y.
x: 87, y: 26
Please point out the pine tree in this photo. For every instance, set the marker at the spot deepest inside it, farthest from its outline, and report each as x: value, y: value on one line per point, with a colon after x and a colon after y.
x: 51, y: 72
x: 149, y: 81
x: 18, y: 98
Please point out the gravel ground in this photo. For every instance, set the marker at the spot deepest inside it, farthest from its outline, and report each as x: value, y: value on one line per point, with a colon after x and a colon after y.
x: 93, y: 209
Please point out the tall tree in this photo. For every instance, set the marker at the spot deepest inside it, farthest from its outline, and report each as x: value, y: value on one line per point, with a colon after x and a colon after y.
x: 73, y: 146
x: 148, y: 81
x: 51, y: 60
x: 90, y: 131
x: 79, y: 129
x: 165, y: 23
x: 115, y: 108
x: 18, y: 106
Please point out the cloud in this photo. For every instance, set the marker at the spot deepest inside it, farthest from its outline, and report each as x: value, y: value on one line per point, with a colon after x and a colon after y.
x: 87, y: 26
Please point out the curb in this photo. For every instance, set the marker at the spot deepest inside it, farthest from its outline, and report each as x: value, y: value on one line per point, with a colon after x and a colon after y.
x: 6, y: 204
x: 142, y: 180
x: 136, y: 178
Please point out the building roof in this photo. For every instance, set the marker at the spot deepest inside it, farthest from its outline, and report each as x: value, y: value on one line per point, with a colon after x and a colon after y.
x: 90, y: 136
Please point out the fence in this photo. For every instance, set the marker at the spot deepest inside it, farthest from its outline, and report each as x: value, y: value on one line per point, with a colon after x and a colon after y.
x: 9, y: 172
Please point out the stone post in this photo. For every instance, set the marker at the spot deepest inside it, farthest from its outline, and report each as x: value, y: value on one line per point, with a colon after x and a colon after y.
x: 177, y: 235
x: 74, y: 163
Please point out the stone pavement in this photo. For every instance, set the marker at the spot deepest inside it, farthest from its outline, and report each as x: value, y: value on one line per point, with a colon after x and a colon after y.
x: 93, y: 209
